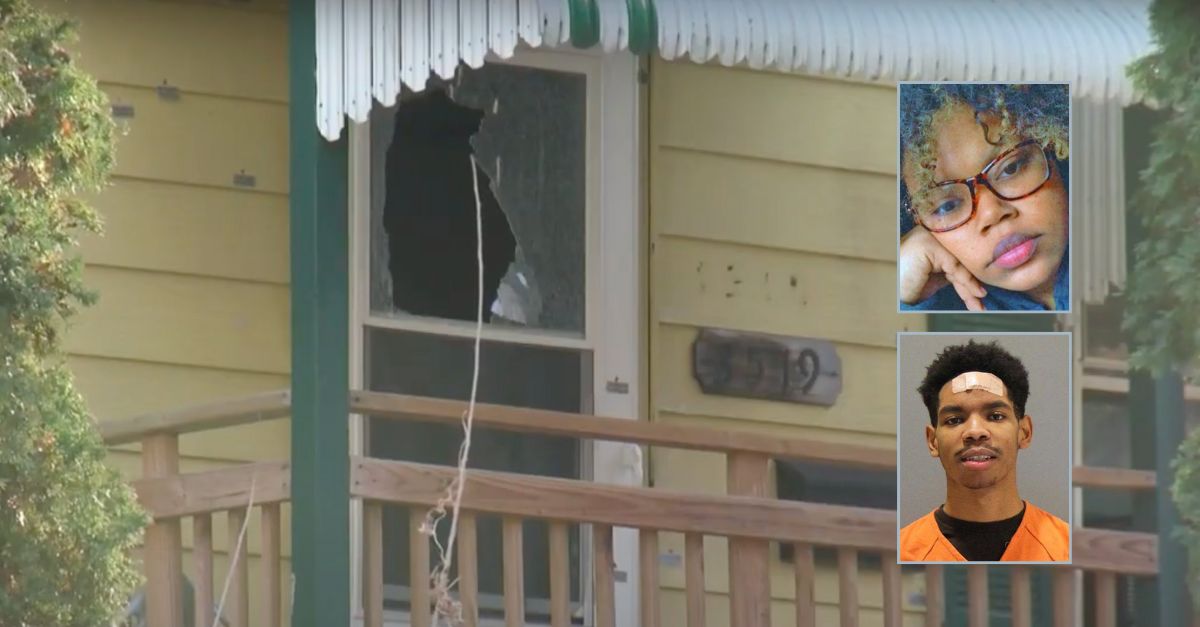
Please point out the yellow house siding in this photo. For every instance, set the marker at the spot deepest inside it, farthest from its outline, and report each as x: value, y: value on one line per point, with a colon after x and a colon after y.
x: 171, y: 318
x: 107, y: 382
x: 778, y: 291
x: 772, y: 209
x: 782, y: 117
x: 771, y: 193
x: 192, y: 270
x: 206, y: 47
x: 202, y: 140
x: 171, y: 227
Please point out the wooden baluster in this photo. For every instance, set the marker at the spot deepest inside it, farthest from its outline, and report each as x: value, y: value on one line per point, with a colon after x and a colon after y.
x: 977, y: 596
x: 1064, y: 596
x: 372, y: 564
x: 749, y: 568
x: 802, y: 563
x: 602, y: 548
x: 237, y: 603
x: 693, y: 563
x: 514, y: 574
x: 418, y: 569
x: 934, y: 596
x: 468, y: 569
x: 560, y: 576
x: 648, y: 577
x: 163, y: 561
x: 202, y: 557
x: 892, y: 609
x: 1022, y: 602
x: 271, y: 553
x: 848, y: 586
x: 1106, y: 599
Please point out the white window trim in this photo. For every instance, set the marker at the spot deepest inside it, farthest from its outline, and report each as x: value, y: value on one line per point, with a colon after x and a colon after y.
x: 615, y: 292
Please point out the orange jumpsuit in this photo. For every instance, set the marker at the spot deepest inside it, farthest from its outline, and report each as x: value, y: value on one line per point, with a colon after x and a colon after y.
x: 1042, y: 537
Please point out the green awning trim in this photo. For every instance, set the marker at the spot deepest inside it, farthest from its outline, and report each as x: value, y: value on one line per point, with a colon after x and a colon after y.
x: 643, y: 26
x: 585, y: 23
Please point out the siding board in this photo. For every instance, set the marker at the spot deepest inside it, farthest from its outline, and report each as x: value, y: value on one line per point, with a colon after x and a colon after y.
x: 722, y: 198
x: 117, y: 389
x: 767, y: 115
x: 792, y: 293
x: 198, y: 47
x: 106, y: 381
x: 202, y: 140
x: 160, y: 317
x: 191, y: 230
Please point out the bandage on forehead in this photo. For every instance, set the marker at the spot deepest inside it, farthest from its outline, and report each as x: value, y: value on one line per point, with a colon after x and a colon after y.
x: 985, y: 381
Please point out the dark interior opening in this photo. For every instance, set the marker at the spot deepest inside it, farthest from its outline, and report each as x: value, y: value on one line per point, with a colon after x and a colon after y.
x: 429, y: 213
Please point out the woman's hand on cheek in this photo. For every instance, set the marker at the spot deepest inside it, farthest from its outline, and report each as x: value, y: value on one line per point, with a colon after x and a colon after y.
x: 926, y: 267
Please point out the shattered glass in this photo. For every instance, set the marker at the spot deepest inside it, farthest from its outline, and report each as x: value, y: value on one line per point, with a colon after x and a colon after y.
x: 526, y: 129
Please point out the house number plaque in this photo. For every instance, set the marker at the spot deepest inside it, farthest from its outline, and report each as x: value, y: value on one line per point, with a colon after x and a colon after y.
x: 775, y: 367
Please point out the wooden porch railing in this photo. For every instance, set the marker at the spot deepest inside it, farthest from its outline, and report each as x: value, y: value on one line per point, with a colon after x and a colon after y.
x: 746, y: 516
x: 170, y: 497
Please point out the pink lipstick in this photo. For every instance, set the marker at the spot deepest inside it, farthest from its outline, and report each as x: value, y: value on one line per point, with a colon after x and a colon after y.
x: 1014, y: 250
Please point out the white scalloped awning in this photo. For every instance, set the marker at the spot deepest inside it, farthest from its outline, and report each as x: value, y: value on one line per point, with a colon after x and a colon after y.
x: 367, y: 48
x: 1098, y: 194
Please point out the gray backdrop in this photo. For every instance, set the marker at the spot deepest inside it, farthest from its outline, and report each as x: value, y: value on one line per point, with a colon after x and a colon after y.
x: 1043, y: 469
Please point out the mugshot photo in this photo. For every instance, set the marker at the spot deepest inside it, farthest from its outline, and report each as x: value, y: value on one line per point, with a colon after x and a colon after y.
x: 984, y: 447
x: 984, y: 202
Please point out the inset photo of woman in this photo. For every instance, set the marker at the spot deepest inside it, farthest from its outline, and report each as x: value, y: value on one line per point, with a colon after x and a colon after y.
x: 984, y: 197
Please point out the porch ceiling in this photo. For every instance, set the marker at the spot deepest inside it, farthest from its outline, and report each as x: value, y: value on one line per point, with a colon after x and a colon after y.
x: 367, y: 49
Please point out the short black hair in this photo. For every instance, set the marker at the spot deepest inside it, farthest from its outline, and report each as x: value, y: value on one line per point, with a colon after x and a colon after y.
x: 975, y: 357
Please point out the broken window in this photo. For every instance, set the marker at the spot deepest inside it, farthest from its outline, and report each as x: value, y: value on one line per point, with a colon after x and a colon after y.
x: 526, y: 129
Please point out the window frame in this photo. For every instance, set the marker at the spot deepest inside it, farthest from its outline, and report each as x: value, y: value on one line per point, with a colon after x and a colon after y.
x: 594, y: 228
x: 614, y: 291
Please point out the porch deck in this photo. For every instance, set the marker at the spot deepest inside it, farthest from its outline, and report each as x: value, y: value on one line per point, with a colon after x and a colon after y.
x: 746, y: 516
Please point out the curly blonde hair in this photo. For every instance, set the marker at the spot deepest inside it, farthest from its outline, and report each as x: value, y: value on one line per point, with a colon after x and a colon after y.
x: 1033, y: 111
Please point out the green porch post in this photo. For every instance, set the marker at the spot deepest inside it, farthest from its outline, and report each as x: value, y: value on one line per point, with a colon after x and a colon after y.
x: 1156, y: 425
x: 1142, y: 444
x: 320, y: 346
x: 1173, y: 602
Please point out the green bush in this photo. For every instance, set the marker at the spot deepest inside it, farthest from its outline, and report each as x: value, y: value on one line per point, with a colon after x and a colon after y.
x: 1163, y: 315
x: 67, y: 521
x: 1162, y: 318
x: 1186, y: 492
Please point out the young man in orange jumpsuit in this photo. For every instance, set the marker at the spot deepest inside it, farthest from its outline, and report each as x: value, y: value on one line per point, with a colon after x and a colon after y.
x: 976, y: 396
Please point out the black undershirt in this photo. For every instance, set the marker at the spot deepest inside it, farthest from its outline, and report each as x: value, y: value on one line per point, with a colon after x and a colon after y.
x: 979, y: 541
